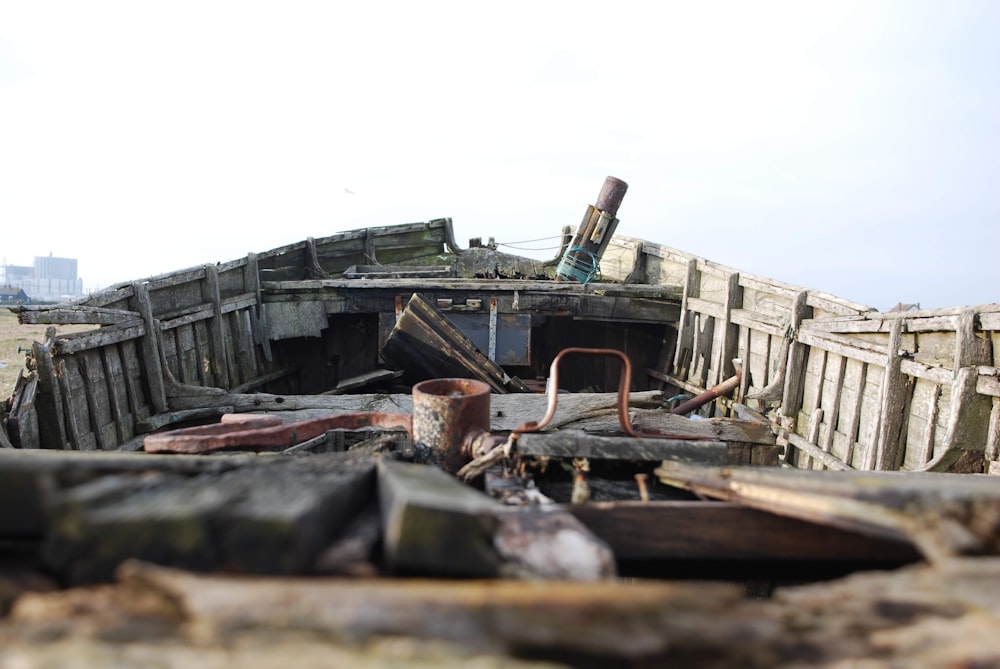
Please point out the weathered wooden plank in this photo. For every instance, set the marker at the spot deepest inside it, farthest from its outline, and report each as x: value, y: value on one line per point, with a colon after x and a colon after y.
x: 720, y: 429
x: 942, y: 514
x: 791, y: 399
x: 706, y: 307
x: 424, y: 342
x: 188, y: 363
x: 150, y: 348
x: 433, y: 524
x: 22, y: 418
x: 121, y: 417
x: 967, y: 427
x: 577, y: 444
x: 134, y: 387
x: 74, y: 434
x: 700, y: 530
x: 787, y: 438
x: 48, y: 401
x: 272, y: 517
x: 179, y: 417
x: 832, y: 405
x: 297, y: 319
x: 258, y: 319
x: 95, y: 391
x: 218, y: 370
x: 889, y: 454
x: 106, y: 336
x: 868, y: 352
x: 523, y: 286
x: 77, y: 314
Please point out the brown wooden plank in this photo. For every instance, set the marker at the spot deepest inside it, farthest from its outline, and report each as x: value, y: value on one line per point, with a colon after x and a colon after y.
x: 726, y: 531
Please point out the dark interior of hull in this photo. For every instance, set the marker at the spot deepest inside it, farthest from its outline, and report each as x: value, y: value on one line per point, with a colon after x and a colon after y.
x: 349, y: 347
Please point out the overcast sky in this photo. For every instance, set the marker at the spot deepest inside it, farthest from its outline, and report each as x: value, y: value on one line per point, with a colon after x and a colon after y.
x: 850, y: 147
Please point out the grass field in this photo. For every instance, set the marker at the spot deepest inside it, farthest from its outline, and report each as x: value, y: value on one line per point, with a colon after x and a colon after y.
x: 12, y: 336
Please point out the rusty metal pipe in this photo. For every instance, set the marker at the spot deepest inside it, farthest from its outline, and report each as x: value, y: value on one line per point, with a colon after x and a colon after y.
x: 445, y: 413
x: 712, y: 393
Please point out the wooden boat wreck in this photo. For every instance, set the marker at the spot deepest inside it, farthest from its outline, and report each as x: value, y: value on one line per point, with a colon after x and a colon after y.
x: 625, y: 384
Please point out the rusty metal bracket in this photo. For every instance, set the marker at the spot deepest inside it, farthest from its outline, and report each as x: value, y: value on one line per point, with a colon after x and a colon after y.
x: 624, y: 383
x: 255, y: 432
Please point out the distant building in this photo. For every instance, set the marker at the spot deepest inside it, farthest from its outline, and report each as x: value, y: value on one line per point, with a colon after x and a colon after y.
x: 49, y: 280
x: 12, y: 295
x: 904, y: 306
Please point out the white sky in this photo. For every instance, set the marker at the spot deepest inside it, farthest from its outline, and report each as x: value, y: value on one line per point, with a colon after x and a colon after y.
x: 851, y: 147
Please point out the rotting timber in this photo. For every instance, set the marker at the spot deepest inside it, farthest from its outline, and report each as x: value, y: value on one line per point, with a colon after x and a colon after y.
x: 281, y: 365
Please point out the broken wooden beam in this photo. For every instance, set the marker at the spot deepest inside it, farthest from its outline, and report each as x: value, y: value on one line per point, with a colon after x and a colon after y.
x: 942, y: 514
x: 427, y: 345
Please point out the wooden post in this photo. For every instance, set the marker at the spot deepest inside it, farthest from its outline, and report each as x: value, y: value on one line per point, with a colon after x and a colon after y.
x: 150, y: 346
x: 888, y: 453
x: 219, y: 361
x: 791, y: 400
x: 48, y: 401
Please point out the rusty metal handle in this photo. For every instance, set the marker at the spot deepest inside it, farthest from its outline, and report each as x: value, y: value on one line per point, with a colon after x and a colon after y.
x: 624, y: 383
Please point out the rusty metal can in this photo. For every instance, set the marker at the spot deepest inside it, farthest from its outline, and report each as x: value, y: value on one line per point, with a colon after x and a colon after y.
x: 445, y: 411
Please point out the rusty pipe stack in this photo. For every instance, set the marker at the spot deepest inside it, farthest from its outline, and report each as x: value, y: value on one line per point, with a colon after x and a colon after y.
x: 582, y: 258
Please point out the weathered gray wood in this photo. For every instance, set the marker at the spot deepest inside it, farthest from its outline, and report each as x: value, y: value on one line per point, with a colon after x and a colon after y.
x: 307, y: 318
x: 917, y: 616
x: 273, y: 517
x: 48, y: 402
x: 685, y: 324
x: 362, y: 380
x: 727, y: 531
x: 258, y: 319
x: 105, y: 336
x: 74, y: 434
x: 217, y: 351
x: 829, y: 461
x: 576, y: 444
x: 120, y: 416
x: 993, y: 438
x: 27, y: 476
x: 97, y: 408
x: 967, y: 428
x: 433, y: 524
x: 720, y: 429
x: 727, y: 331
x: 889, y: 455
x: 150, y: 347
x: 69, y: 315
x: 834, y: 403
x: 791, y: 399
x: 22, y: 419
x: 522, y: 286
x: 162, y: 420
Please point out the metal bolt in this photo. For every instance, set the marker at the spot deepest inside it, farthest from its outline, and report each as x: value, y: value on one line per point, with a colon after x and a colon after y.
x: 640, y: 479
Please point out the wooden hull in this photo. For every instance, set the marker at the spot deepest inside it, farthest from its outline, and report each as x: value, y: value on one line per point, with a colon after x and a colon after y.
x: 844, y: 386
